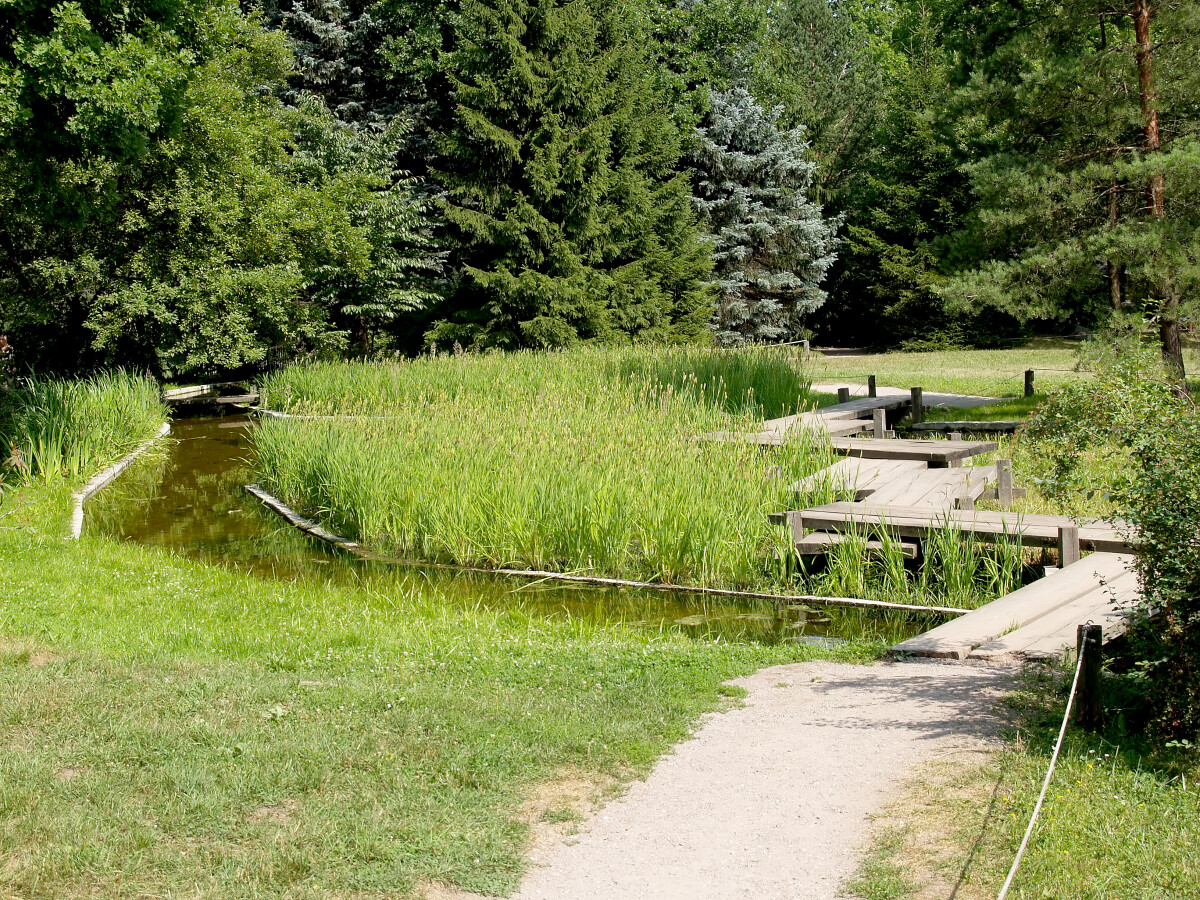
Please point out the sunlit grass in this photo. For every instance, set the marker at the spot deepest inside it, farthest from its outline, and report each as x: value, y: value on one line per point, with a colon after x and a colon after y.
x: 71, y: 428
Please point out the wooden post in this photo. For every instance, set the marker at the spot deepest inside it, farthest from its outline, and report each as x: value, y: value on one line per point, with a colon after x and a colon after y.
x: 1068, y: 545
x: 795, y: 521
x: 1029, y: 382
x: 956, y: 435
x: 871, y: 386
x: 1089, y: 712
x: 965, y: 500
x: 918, y: 405
x: 879, y: 424
x: 1004, y: 482
x: 843, y: 395
x: 807, y: 346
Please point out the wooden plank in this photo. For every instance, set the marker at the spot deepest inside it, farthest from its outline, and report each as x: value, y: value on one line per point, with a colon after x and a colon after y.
x: 916, y: 522
x: 1016, y: 610
x: 938, y: 488
x: 1000, y: 426
x: 821, y: 542
x: 856, y: 473
x: 1046, y: 636
x: 928, y: 451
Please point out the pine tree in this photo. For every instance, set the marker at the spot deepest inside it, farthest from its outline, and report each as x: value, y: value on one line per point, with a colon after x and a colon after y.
x: 570, y: 219
x: 1090, y: 159
x: 770, y: 243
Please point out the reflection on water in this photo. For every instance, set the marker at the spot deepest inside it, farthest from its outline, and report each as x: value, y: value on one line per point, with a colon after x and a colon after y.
x: 190, y: 499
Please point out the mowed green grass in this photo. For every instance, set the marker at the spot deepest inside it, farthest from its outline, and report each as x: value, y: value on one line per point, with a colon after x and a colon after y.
x: 988, y: 373
x: 169, y: 728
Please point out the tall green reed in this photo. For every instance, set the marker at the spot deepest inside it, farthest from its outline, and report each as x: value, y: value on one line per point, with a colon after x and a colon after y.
x: 72, y: 428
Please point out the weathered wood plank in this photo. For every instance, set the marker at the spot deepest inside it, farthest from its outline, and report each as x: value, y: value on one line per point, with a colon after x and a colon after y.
x: 943, y: 452
x: 821, y: 542
x: 1016, y: 610
x: 977, y: 426
x: 914, y: 522
x: 1106, y: 604
x: 858, y: 474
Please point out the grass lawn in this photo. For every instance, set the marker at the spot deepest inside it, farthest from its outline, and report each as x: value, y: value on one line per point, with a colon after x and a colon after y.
x: 1121, y: 819
x: 169, y: 728
x: 1009, y: 410
x: 988, y: 373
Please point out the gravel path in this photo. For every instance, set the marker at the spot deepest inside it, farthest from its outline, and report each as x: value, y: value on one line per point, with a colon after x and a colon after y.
x: 773, y: 799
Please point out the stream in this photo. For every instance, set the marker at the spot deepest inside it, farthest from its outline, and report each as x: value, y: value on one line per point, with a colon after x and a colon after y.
x: 189, y: 498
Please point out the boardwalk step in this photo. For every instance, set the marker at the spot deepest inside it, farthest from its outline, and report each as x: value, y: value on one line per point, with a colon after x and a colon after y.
x: 956, y: 639
x: 1045, y: 637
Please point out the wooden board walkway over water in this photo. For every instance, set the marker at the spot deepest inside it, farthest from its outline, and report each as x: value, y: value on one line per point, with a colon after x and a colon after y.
x: 1039, y: 620
x: 904, y: 491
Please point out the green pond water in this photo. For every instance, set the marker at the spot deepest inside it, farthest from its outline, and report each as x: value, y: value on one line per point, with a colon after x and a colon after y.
x: 190, y: 498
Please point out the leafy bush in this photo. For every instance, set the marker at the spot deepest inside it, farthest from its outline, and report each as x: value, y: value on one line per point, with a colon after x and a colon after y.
x: 1131, y: 412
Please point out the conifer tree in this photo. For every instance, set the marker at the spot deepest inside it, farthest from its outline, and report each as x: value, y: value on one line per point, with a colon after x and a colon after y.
x: 770, y: 243
x: 570, y: 219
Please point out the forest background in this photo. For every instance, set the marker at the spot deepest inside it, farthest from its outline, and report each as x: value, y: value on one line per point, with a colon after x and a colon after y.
x: 194, y: 187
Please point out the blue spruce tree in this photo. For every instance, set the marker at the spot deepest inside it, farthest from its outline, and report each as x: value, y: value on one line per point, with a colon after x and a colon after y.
x: 771, y: 245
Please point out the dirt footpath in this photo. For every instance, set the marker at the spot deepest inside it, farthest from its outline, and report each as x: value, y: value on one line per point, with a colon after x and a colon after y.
x: 773, y: 800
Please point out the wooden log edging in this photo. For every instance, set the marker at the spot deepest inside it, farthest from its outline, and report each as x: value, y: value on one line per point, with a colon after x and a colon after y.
x: 312, y: 528
x: 104, y: 479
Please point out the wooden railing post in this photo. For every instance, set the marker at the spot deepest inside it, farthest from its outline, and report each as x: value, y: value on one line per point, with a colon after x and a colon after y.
x: 1004, y: 482
x: 1068, y: 545
x: 1089, y: 711
x: 871, y: 386
x: 879, y: 424
x: 843, y: 395
x: 918, y: 405
x: 1029, y: 382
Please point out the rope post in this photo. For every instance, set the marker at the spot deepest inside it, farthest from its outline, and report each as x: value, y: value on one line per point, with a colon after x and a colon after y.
x: 878, y: 424
x: 918, y: 405
x: 807, y: 346
x: 1068, y: 545
x: 871, y: 386
x: 1089, y: 712
x: 843, y: 395
x: 1029, y: 382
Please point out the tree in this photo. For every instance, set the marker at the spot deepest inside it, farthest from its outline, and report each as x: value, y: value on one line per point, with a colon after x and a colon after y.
x: 770, y: 243
x: 822, y: 72
x: 161, y: 208
x: 1086, y: 188
x: 907, y: 191
x: 570, y: 219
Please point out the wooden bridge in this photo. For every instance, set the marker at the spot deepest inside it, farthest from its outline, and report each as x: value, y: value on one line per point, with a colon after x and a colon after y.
x: 907, y: 489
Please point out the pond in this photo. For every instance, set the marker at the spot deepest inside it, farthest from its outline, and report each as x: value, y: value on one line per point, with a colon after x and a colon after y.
x: 190, y: 499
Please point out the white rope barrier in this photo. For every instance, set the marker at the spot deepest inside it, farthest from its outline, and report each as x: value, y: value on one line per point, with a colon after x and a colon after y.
x: 1049, y: 774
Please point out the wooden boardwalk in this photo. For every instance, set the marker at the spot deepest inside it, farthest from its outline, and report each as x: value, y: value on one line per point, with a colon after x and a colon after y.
x: 1039, y: 620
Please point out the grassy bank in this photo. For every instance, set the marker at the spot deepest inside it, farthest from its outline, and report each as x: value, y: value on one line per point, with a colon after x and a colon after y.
x: 583, y: 461
x: 168, y: 727
x: 1121, y: 820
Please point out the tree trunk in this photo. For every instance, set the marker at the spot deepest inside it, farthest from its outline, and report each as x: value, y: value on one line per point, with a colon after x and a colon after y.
x: 1116, y: 295
x: 1168, y: 314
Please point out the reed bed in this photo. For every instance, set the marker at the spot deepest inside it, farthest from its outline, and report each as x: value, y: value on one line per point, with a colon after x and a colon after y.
x: 581, y: 461
x: 577, y: 461
x: 73, y: 428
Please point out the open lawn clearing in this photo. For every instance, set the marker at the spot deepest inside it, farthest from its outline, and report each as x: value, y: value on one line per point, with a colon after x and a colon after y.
x: 991, y: 373
x: 169, y: 727
x: 1114, y: 826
